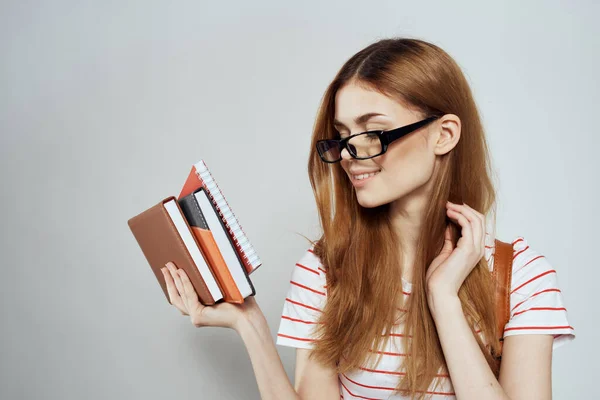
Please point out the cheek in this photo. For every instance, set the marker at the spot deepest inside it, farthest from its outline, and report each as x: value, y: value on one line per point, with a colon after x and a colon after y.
x: 410, y: 161
x: 406, y: 170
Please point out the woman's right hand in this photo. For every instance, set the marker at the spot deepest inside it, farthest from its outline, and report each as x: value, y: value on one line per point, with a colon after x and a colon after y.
x: 247, y: 319
x: 184, y: 297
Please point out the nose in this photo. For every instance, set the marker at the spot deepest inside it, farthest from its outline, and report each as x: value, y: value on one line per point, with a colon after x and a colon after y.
x: 345, y: 154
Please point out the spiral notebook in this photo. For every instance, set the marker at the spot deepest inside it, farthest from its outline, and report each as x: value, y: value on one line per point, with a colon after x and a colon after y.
x: 200, y: 176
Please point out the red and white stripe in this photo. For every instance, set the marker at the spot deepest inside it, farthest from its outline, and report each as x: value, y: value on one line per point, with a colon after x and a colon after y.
x: 536, y: 307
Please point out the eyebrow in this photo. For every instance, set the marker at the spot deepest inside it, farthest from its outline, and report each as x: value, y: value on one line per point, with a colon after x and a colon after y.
x: 358, y: 120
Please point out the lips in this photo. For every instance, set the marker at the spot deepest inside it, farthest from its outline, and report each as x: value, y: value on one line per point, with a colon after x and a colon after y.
x: 360, y: 172
x: 363, y: 176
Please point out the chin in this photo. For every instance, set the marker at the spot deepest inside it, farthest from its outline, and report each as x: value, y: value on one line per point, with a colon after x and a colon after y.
x: 373, y: 198
x: 367, y: 200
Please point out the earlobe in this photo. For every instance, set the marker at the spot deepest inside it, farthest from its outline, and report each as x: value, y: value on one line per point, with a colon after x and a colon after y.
x: 448, y: 134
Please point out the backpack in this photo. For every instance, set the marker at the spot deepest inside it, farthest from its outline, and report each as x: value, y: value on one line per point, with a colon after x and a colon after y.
x: 501, y: 275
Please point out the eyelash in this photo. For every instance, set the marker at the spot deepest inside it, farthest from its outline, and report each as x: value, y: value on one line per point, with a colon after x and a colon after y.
x: 338, y: 135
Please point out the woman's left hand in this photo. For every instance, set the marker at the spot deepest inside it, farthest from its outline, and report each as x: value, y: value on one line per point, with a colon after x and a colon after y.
x: 450, y: 268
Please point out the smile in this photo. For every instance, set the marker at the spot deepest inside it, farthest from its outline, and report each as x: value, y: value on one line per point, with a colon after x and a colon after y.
x: 364, y: 176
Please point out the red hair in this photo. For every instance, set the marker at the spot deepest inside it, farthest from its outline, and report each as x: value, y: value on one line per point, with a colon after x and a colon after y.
x: 359, y: 247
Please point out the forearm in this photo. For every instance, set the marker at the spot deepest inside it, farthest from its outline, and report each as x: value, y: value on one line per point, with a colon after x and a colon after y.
x: 469, y: 371
x: 272, y: 380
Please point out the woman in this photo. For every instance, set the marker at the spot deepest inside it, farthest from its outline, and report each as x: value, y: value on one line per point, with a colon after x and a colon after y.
x: 394, y: 300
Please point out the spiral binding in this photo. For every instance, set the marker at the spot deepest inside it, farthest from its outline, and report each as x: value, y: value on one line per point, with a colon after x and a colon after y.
x: 235, y: 230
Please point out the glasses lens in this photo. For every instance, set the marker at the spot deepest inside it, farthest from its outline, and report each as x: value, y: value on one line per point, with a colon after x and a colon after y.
x: 365, y: 145
x: 329, y: 150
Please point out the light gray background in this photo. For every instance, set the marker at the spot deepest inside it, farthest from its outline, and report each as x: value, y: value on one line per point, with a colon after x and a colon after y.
x: 104, y: 107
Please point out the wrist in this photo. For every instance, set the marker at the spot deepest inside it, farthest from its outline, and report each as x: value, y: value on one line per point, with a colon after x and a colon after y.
x: 252, y: 320
x: 443, y: 303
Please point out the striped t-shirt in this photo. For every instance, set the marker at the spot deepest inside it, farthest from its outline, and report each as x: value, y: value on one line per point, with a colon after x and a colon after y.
x: 536, y: 305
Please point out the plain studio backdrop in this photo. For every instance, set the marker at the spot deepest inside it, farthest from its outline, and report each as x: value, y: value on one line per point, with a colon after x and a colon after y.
x: 105, y: 106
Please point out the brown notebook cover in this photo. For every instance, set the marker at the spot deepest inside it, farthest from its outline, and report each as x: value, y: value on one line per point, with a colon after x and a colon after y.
x: 160, y: 242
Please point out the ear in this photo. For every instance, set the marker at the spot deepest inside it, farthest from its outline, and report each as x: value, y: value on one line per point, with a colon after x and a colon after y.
x: 447, y: 134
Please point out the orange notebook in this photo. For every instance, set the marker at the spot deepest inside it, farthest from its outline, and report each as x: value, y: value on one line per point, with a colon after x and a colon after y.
x: 217, y: 247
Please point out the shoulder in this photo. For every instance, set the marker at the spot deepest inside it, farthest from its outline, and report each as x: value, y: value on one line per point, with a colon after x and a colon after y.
x: 536, y: 300
x: 528, y: 265
x: 304, y: 302
x: 310, y: 262
x: 308, y: 276
x: 308, y: 270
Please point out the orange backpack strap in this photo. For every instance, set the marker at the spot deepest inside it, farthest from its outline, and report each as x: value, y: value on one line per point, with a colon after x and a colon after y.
x: 502, y: 273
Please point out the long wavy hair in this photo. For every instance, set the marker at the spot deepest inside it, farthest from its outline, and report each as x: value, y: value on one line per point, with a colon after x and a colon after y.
x: 358, y: 246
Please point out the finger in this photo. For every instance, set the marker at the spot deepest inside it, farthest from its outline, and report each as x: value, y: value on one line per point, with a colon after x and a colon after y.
x: 479, y: 215
x: 179, y: 285
x: 184, y: 295
x: 174, y: 296
x: 447, y: 233
x: 479, y: 228
x: 191, y: 295
x: 192, y: 300
x: 448, y: 244
x: 176, y: 278
x: 466, y: 230
x: 475, y: 224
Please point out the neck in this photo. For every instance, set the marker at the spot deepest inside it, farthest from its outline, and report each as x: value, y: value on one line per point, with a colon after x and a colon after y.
x: 407, y: 215
x: 407, y: 222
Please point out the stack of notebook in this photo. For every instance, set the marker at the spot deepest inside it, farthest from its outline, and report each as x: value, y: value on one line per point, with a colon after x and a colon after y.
x: 199, y: 233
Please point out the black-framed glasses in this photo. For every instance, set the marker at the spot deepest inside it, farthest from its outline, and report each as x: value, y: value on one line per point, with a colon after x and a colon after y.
x: 362, y: 146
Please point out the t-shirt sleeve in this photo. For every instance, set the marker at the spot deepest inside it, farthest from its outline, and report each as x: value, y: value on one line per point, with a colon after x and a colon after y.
x: 536, y: 301
x: 303, y: 304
